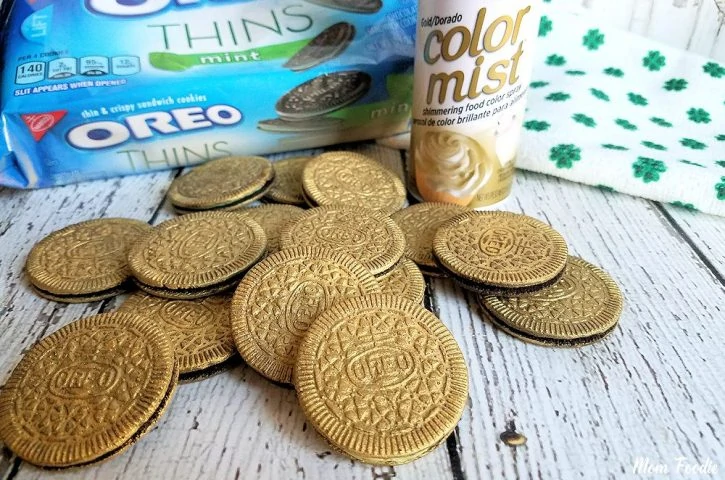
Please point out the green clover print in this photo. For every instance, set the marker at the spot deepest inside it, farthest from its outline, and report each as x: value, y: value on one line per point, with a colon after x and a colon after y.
x: 599, y: 94
x: 653, y: 146
x: 611, y: 146
x: 637, y: 99
x: 694, y: 164
x: 720, y: 138
x: 721, y: 163
x: 625, y: 124
x: 686, y: 206
x: 558, y: 96
x: 720, y: 189
x: 693, y: 144
x: 536, y: 125
x: 564, y: 155
x: 585, y: 120
x: 660, y: 121
x: 593, y: 39
x: 648, y: 169
x: 555, y: 60
x: 539, y: 84
x: 714, y: 70
x: 675, y: 84
x: 614, y: 72
x: 654, y: 61
x: 545, y: 26
x: 698, y: 115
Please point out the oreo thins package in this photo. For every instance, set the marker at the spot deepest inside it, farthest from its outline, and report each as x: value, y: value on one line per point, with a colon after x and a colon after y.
x: 99, y: 88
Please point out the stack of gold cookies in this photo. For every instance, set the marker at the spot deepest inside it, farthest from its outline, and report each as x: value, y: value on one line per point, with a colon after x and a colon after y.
x: 322, y: 299
x: 526, y: 282
x: 327, y: 300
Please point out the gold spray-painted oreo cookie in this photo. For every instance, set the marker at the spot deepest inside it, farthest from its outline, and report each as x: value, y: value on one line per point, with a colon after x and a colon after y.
x: 419, y: 223
x: 495, y: 251
x: 222, y: 184
x: 352, y: 179
x: 272, y: 218
x: 404, y: 280
x: 279, y: 297
x: 84, y: 262
x: 371, y: 238
x: 287, y: 184
x: 196, y: 255
x: 200, y: 330
x: 581, y: 307
x: 87, y: 391
x: 381, y: 378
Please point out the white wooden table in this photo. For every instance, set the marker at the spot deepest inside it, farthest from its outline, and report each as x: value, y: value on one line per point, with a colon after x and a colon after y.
x: 652, y: 392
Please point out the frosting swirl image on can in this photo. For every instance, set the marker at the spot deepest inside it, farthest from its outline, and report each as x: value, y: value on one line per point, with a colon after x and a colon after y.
x: 451, y: 167
x: 472, y: 70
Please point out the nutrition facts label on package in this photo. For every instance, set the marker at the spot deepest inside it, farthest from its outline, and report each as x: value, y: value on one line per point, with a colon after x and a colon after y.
x: 66, y: 67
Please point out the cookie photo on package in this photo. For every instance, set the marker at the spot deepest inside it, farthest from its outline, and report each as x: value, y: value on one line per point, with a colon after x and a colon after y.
x: 99, y: 88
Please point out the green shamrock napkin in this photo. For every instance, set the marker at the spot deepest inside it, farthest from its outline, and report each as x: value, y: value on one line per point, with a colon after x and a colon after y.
x: 619, y: 111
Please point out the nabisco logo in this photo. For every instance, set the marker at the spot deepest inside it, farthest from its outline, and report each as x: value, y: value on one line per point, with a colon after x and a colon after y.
x: 40, y: 123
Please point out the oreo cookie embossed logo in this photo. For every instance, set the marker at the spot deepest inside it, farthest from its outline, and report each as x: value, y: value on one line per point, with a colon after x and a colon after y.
x: 348, y: 238
x: 306, y: 302
x: 497, y: 241
x: 84, y: 380
x: 198, y: 244
x: 501, y: 241
x: 384, y: 366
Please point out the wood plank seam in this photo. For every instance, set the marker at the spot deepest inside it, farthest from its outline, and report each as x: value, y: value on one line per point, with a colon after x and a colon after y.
x: 15, y: 469
x: 720, y: 4
x: 161, y: 204
x: 697, y: 250
x: 692, y: 33
x: 454, y: 454
x: 452, y: 445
